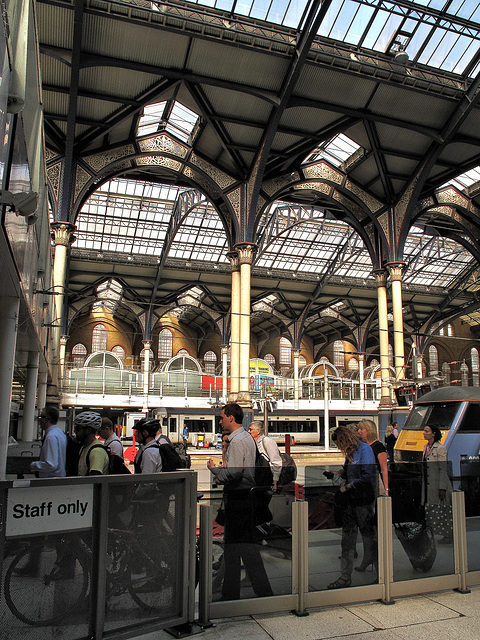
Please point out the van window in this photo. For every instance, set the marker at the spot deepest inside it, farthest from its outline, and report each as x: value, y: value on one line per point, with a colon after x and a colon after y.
x: 471, y: 419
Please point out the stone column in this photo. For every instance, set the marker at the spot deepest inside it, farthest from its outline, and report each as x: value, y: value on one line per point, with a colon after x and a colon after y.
x: 147, y: 344
x: 381, y: 279
x: 224, y: 351
x: 63, y: 238
x: 234, y: 327
x: 63, y: 349
x: 396, y: 269
x: 42, y: 389
x: 8, y: 337
x: 296, y: 390
x: 29, y: 431
x: 246, y: 252
x: 361, y: 378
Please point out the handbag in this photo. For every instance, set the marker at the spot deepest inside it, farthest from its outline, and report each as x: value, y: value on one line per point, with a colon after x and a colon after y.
x: 439, y: 518
x: 419, y: 544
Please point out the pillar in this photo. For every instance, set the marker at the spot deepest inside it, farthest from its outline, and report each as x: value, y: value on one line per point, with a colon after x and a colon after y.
x: 42, y: 389
x: 63, y: 349
x: 147, y: 344
x: 63, y: 238
x: 381, y: 280
x: 234, y: 327
x: 29, y: 428
x: 246, y: 253
x: 396, y: 269
x: 361, y: 378
x: 224, y: 352
x: 8, y: 338
x: 296, y: 390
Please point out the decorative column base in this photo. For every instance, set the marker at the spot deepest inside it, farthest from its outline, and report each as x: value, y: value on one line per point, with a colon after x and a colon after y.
x: 244, y: 399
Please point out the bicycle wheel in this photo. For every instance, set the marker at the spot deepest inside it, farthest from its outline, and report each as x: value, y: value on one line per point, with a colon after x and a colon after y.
x: 152, y: 583
x: 45, y: 583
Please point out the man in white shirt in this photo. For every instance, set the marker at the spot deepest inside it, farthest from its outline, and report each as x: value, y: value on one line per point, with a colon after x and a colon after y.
x: 267, y: 447
x: 238, y: 478
x: 112, y: 441
x: 51, y: 463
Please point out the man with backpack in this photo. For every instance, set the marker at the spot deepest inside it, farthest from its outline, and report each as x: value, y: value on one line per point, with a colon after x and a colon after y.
x: 111, y: 441
x: 268, y: 448
x: 238, y: 478
x: 148, y: 458
x: 93, y: 460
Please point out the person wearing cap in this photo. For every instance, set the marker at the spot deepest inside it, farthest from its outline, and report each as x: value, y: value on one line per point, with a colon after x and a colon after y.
x: 148, y: 458
x: 93, y: 459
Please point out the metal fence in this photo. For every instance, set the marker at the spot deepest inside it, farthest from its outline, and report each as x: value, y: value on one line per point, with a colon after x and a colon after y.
x: 83, y: 557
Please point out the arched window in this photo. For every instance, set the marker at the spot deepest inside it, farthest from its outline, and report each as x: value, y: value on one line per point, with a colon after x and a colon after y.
x: 210, y: 361
x: 285, y: 355
x: 119, y: 352
x: 99, y: 338
x: 142, y: 355
x: 449, y: 330
x: 270, y: 359
x: 433, y: 358
x: 447, y: 372
x: 165, y: 344
x: 353, y: 364
x: 182, y: 352
x: 302, y: 361
x: 475, y: 367
x: 79, y: 353
x: 374, y: 363
x: 390, y: 355
x: 338, y: 354
x: 285, y: 352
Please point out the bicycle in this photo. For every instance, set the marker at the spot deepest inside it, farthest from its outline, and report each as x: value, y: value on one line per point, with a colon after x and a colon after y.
x: 58, y: 586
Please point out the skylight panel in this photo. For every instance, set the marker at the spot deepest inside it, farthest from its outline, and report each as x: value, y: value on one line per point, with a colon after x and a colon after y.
x: 337, y: 150
x: 464, y: 180
x: 177, y: 120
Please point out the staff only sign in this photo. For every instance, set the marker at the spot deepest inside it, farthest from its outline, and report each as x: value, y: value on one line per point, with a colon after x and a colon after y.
x: 33, y: 510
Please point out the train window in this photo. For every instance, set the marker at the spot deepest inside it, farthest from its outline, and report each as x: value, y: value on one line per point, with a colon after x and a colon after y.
x: 173, y: 425
x: 199, y: 426
x: 471, y: 419
x: 292, y: 426
x: 437, y: 415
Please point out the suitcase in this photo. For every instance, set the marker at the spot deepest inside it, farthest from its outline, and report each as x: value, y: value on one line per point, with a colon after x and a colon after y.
x: 419, y: 544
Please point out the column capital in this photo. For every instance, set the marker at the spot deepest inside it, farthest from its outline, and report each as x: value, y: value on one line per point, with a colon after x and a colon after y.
x: 147, y: 344
x: 64, y: 339
x: 246, y: 252
x: 396, y: 270
x: 234, y: 260
x: 380, y: 276
x: 62, y: 233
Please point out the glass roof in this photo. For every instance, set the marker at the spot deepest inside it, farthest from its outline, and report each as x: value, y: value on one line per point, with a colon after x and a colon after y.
x: 133, y: 218
x: 444, y: 35
x: 170, y: 116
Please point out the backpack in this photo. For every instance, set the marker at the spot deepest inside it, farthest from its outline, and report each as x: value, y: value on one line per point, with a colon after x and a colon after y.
x: 72, y: 456
x: 171, y: 460
x: 116, y: 465
x: 263, y: 472
x: 288, y: 473
x: 185, y: 460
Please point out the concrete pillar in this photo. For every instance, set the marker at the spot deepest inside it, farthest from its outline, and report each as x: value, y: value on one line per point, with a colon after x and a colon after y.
x: 63, y: 349
x: 245, y: 256
x: 147, y: 344
x: 8, y: 337
x: 42, y: 389
x: 361, y: 378
x: 29, y: 428
x: 381, y: 279
x: 296, y: 390
x: 224, y: 372
x: 235, y: 327
x: 63, y: 238
x: 396, y: 269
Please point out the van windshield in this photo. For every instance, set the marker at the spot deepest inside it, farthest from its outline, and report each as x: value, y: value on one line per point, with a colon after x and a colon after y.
x: 440, y: 414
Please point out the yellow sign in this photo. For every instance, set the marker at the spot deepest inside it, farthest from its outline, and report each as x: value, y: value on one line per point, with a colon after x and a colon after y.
x: 259, y: 367
x: 413, y: 440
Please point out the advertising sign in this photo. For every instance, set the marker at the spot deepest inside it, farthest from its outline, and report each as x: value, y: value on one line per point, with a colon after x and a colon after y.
x: 32, y: 510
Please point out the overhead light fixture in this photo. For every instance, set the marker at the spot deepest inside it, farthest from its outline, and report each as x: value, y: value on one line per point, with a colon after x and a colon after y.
x: 401, y: 57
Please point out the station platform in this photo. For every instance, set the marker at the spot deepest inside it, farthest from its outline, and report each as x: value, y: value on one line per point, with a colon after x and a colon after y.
x: 436, y: 616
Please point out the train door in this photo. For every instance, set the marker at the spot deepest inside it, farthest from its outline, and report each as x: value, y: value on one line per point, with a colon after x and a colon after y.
x: 464, y: 438
x: 172, y: 426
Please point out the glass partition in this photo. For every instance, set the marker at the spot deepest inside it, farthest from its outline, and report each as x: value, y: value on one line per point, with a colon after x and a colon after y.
x: 470, y: 485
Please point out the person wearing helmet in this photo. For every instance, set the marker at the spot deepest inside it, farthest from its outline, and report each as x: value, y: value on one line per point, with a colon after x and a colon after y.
x: 93, y: 459
x: 148, y: 458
